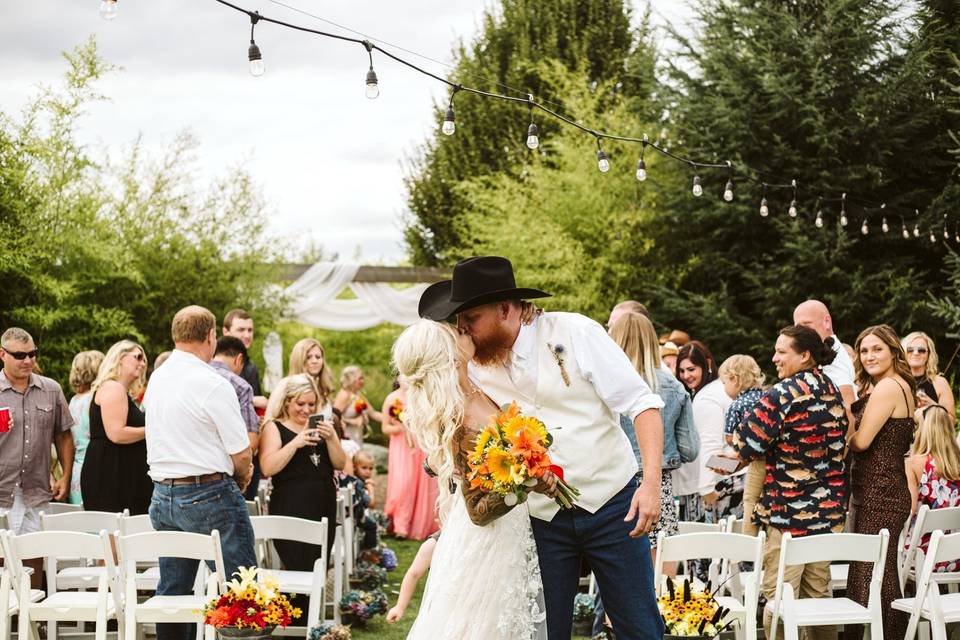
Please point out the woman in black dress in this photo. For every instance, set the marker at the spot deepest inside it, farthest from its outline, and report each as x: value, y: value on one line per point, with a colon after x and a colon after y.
x: 301, y: 460
x: 114, y: 475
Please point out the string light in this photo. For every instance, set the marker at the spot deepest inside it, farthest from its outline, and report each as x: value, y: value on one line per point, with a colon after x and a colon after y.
x: 884, y: 225
x: 449, y: 120
x: 253, y: 53
x: 108, y: 9
x: 933, y: 237
x: 956, y: 233
x: 603, y: 164
x: 533, y: 134
x: 864, y: 228
x: 906, y: 234
x: 697, y: 188
x: 916, y: 227
x: 764, y: 209
x: 946, y: 234
x: 819, y: 221
x: 373, y: 88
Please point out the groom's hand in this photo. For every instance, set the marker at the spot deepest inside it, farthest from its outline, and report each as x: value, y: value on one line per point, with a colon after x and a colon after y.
x: 645, y: 507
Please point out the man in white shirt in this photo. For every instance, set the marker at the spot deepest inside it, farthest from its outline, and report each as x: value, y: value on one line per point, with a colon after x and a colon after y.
x: 199, y: 457
x: 564, y: 369
x: 814, y: 314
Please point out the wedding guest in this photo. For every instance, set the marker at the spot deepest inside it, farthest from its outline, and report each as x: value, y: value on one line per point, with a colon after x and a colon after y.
x: 814, y: 314
x: 697, y: 370
x: 300, y: 460
x: 627, y: 306
x: 668, y: 355
x: 160, y: 359
x: 83, y: 371
x: 239, y: 324
x: 418, y: 569
x: 356, y: 412
x: 228, y: 361
x: 404, y: 464
x: 880, y: 495
x: 26, y: 434
x: 932, y: 388
x: 114, y: 476
x: 933, y: 469
x: 196, y: 440
x: 678, y: 337
x: 743, y: 382
x: 308, y: 356
x: 365, y: 498
x: 799, y: 420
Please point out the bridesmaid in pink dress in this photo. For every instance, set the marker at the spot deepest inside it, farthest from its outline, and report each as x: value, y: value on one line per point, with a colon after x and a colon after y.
x: 411, y: 494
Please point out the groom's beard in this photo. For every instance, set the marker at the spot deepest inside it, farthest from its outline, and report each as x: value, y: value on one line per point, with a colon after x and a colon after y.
x: 495, y: 348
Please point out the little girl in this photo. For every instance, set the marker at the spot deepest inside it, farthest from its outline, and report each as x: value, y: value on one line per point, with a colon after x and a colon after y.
x: 418, y: 569
x: 933, y: 468
x: 743, y: 381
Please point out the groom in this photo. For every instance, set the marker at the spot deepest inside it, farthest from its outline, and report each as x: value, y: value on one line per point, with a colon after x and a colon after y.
x: 565, y: 370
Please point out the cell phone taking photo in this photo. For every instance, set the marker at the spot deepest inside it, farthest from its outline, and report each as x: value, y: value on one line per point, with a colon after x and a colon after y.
x: 723, y: 463
x: 314, y: 421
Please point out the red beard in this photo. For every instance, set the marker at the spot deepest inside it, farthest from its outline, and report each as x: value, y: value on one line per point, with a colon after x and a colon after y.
x: 495, y: 348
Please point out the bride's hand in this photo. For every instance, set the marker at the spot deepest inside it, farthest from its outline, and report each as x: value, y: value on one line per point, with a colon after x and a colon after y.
x: 547, y: 485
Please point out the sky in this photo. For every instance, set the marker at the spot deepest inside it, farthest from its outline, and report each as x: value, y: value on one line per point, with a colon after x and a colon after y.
x: 329, y: 161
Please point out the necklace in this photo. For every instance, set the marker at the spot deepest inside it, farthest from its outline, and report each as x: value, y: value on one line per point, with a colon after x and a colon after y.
x: 474, y: 390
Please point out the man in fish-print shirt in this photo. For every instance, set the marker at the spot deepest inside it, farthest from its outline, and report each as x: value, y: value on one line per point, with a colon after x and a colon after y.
x: 799, y: 426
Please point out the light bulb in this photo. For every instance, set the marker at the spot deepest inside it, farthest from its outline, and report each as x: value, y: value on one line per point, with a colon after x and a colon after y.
x: 764, y: 209
x: 449, y: 126
x: 373, y: 89
x: 906, y: 234
x: 793, y: 209
x: 641, y: 170
x: 864, y: 229
x: 819, y: 220
x: 256, y: 60
x: 946, y: 234
x: 956, y: 238
x: 843, y: 220
x: 933, y: 238
x: 697, y: 189
x: 916, y: 231
x: 728, y: 191
x: 602, y: 163
x: 108, y: 9
x: 885, y: 226
x: 533, y: 137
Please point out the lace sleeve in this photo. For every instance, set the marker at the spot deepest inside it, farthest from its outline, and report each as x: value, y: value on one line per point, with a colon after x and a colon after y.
x: 483, y: 507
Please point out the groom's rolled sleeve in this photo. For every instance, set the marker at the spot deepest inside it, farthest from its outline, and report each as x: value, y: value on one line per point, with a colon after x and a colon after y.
x: 609, y: 370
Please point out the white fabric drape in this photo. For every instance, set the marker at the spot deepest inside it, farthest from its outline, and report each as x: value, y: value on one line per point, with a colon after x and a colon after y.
x: 314, y: 299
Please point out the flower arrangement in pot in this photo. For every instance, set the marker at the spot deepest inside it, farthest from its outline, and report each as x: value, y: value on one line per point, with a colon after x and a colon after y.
x: 690, y: 613
x: 250, y: 608
x: 583, y: 614
x: 357, y: 607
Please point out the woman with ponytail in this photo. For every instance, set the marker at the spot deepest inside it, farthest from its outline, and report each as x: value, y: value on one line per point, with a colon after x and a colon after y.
x: 485, y: 577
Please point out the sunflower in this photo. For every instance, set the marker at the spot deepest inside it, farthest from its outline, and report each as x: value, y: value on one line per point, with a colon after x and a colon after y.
x: 499, y: 462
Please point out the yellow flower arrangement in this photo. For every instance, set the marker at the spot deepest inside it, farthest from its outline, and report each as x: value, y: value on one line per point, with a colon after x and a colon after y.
x: 686, y: 612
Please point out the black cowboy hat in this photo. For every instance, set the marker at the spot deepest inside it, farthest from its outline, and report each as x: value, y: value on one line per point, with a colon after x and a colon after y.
x: 476, y: 281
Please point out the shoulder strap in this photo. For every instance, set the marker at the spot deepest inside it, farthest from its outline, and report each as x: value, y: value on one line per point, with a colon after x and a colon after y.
x: 905, y: 399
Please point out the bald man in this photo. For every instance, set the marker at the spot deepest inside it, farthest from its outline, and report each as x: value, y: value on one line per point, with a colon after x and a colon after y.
x: 627, y: 306
x: 814, y: 314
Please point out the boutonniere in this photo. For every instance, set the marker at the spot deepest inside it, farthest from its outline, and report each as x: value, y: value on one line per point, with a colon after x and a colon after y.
x: 558, y: 353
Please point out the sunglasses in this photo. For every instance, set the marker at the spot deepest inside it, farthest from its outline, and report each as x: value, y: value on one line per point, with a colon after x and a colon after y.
x: 916, y: 349
x: 138, y: 355
x: 21, y: 355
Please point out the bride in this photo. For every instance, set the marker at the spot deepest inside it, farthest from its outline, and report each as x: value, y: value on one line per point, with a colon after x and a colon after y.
x: 484, y: 580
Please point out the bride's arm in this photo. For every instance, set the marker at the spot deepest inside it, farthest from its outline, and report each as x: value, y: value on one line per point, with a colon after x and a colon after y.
x: 482, y: 507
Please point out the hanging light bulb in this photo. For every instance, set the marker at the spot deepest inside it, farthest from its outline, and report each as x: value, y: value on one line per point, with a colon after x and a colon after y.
x: 373, y: 88
x: 916, y: 230
x: 956, y: 233
x: 843, y: 220
x: 764, y: 209
x: 641, y: 170
x: 933, y: 237
x: 906, y: 234
x: 533, y: 139
x: 449, y: 120
x: 728, y: 191
x: 108, y: 9
x: 792, y: 211
x: 885, y: 226
x: 843, y: 210
x: 603, y: 164
x: 253, y: 53
x: 697, y: 188
x: 864, y: 228
x: 946, y: 234
x: 819, y: 220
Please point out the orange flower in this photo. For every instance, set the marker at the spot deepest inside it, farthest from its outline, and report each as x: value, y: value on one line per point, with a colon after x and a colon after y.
x: 219, y: 617
x: 506, y: 416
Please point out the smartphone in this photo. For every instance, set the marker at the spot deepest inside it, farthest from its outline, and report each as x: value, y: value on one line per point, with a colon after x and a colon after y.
x: 722, y: 462
x: 314, y: 420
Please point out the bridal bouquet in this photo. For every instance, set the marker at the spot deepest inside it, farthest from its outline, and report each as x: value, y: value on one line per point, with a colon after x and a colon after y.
x: 691, y: 613
x: 249, y: 604
x: 511, y: 456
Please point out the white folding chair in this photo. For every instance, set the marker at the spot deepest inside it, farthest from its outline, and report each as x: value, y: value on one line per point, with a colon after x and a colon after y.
x: 148, y: 571
x: 168, y: 608
x: 253, y: 507
x: 816, y: 612
x: 54, y: 508
x: 3, y: 521
x: 9, y: 598
x: 82, y: 575
x: 263, y: 493
x: 685, y: 526
x: 929, y: 604
x: 58, y: 606
x: 345, y: 520
x: 727, y: 547
x: 928, y: 520
x: 310, y: 583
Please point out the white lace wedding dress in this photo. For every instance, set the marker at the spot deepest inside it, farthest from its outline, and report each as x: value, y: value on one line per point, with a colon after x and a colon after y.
x: 484, y: 581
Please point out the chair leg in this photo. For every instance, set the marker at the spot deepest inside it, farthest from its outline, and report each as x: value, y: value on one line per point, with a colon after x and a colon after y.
x: 790, y: 631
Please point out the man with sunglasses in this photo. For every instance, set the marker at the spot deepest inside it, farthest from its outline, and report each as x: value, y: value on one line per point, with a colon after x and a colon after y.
x: 33, y: 413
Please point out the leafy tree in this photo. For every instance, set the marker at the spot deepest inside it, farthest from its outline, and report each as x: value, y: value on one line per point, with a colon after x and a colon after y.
x: 94, y: 252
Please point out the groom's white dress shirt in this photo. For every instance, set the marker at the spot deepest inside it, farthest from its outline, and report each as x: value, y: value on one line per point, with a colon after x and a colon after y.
x: 582, y: 416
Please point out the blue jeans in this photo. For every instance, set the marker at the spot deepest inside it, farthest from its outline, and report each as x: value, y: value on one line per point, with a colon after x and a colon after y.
x: 620, y: 563
x: 200, y: 508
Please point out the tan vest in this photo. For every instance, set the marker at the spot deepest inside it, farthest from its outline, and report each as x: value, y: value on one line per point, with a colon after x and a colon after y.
x: 588, y: 442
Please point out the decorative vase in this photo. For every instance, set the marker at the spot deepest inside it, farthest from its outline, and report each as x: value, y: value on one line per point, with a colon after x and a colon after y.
x: 246, y: 633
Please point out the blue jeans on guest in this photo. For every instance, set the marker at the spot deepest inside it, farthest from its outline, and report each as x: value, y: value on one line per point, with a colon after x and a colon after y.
x: 620, y: 563
x: 200, y: 508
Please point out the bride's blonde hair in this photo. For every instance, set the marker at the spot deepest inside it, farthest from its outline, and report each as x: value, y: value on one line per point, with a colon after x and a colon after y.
x: 425, y: 356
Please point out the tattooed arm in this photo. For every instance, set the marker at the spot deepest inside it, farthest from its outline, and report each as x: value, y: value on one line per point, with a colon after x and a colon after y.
x: 483, y: 507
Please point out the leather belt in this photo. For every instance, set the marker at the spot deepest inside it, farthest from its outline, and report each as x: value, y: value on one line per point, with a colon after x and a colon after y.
x: 205, y: 478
